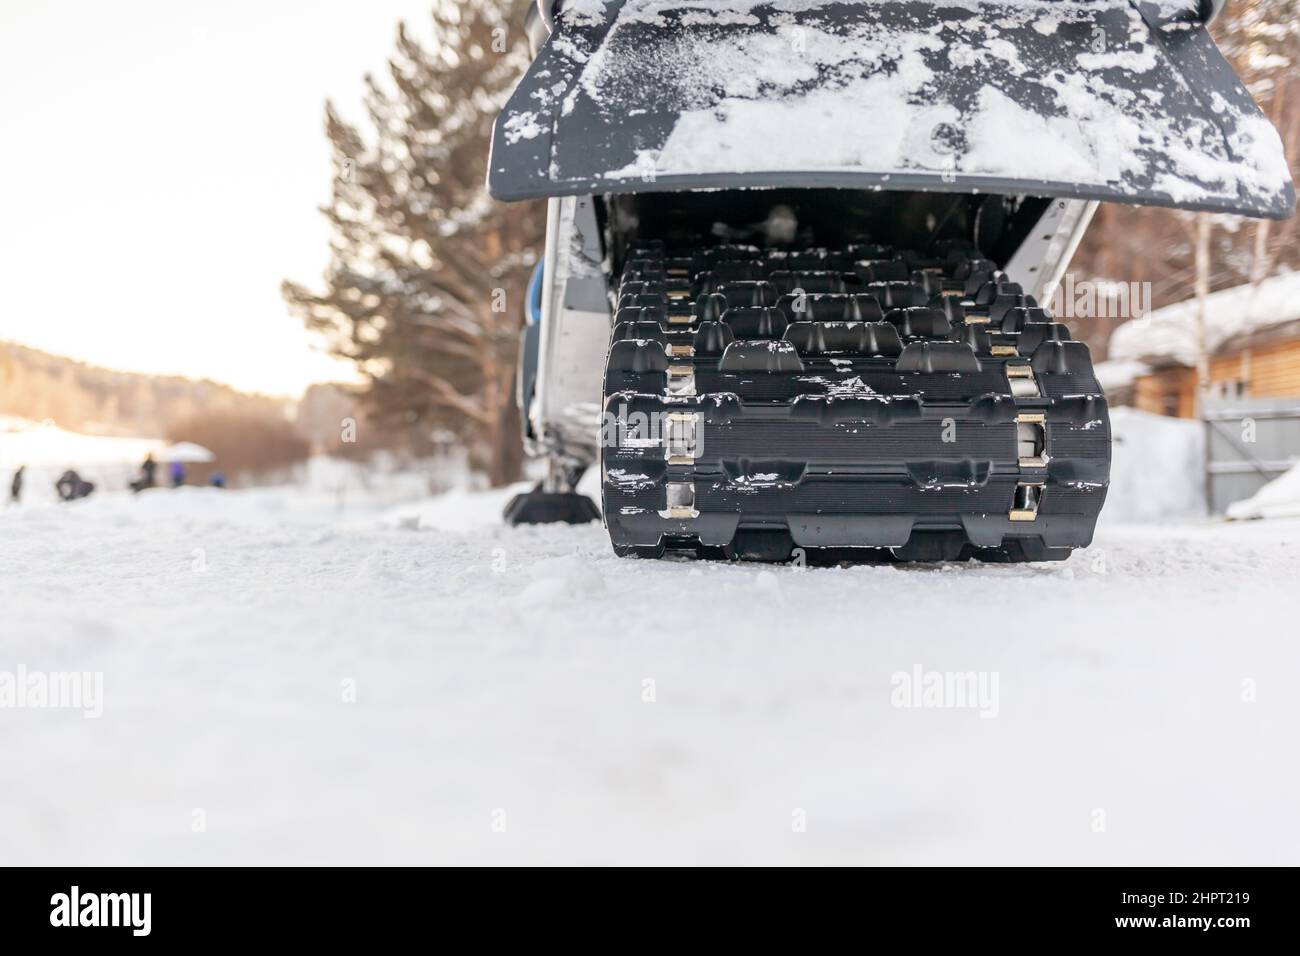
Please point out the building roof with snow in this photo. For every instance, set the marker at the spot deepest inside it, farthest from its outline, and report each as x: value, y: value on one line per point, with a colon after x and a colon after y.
x: 1169, y: 335
x: 1117, y: 374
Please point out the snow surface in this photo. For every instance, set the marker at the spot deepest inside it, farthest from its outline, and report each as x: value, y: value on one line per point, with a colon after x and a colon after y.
x: 1170, y: 334
x: 500, y: 677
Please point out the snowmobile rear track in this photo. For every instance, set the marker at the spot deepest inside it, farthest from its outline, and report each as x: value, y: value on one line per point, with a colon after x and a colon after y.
x: 771, y: 404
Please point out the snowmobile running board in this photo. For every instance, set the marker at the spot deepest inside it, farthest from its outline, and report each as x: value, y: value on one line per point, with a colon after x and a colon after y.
x: 1118, y: 100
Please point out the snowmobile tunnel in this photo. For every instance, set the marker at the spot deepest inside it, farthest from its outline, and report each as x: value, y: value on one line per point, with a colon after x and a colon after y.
x: 1119, y: 100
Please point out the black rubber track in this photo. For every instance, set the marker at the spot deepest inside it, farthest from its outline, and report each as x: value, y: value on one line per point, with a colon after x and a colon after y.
x: 860, y: 402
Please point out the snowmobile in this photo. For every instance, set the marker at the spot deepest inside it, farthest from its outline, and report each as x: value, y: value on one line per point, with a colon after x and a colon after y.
x: 800, y: 256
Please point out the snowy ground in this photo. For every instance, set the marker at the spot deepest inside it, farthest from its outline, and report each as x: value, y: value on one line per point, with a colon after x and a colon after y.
x: 501, y: 684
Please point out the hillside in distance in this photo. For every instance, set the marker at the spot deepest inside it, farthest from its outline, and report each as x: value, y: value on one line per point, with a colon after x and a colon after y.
x: 86, y: 398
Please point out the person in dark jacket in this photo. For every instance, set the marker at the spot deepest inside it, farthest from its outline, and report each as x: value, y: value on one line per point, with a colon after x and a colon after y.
x: 16, y: 486
x: 72, y: 486
x: 146, y: 479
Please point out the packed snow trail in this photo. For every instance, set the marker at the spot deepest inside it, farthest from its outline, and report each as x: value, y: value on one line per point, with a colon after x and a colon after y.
x: 504, y: 710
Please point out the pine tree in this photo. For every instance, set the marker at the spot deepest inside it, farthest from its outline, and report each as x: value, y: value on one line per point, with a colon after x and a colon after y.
x: 1262, y: 39
x: 426, y: 285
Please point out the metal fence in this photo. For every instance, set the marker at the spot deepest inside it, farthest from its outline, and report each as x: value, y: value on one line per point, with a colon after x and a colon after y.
x: 1249, y: 442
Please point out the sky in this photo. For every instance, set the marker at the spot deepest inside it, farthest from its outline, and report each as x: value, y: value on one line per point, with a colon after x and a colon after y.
x: 161, y: 169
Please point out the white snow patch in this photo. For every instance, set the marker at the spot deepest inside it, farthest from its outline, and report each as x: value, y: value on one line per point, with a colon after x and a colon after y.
x: 1280, y: 498
x: 1140, y: 60
x: 1158, y: 468
x: 525, y: 125
x: 1002, y: 137
x: 584, y: 13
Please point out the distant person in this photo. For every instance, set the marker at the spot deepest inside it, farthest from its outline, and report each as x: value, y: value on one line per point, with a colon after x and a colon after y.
x: 16, y: 486
x: 147, y: 469
x: 218, y: 479
x: 72, y: 486
x: 178, y: 474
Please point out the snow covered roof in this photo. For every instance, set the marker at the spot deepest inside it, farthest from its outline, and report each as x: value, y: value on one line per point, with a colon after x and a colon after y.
x: 1085, y: 98
x: 1169, y: 335
x: 186, y: 452
x: 1115, y: 374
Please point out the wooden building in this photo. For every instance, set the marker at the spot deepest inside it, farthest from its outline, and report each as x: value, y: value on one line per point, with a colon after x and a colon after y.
x: 1254, y: 340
